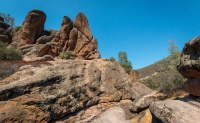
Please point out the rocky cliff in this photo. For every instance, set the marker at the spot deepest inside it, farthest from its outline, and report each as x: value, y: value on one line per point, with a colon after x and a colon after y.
x: 71, y: 91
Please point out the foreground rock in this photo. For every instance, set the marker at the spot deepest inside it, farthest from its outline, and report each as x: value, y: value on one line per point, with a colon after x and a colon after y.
x: 78, y: 40
x: 31, y: 29
x: 112, y: 115
x: 174, y: 111
x: 70, y: 91
x: 189, y: 66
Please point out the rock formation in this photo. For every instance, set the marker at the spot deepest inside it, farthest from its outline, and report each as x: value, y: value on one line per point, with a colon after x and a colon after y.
x: 175, y: 111
x: 77, y: 39
x: 31, y: 29
x: 189, y: 66
x: 186, y: 109
x: 134, y: 75
x: 4, y: 31
x: 72, y: 91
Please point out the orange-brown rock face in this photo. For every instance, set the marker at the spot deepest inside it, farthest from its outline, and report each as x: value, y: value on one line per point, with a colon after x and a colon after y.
x: 81, y: 23
x: 84, y: 88
x: 31, y: 29
x: 133, y: 75
x: 189, y: 66
x: 77, y: 39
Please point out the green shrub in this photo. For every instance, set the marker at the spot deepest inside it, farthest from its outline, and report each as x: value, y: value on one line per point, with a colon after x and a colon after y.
x: 3, y: 45
x: 17, y: 28
x: 7, y: 69
x: 9, y: 54
x: 67, y: 55
x: 112, y: 59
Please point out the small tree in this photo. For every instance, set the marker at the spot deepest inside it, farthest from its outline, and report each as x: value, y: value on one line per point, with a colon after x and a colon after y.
x: 123, y: 61
x: 172, y: 47
x: 8, y: 19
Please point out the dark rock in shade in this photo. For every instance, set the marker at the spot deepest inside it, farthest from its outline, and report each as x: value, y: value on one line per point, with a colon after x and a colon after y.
x: 44, y: 39
x: 1, y: 19
x: 5, y: 35
x: 31, y: 29
x: 189, y: 65
x: 192, y: 86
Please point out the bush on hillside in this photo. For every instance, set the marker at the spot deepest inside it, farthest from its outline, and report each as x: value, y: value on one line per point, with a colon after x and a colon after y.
x: 7, y: 69
x: 67, y: 55
x: 162, y: 75
x: 112, y: 59
x: 9, y: 54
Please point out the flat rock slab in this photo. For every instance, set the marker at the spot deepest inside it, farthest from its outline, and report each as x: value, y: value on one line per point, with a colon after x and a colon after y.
x: 174, y: 111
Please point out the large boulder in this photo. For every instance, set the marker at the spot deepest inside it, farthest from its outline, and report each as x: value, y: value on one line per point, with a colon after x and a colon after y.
x: 189, y: 66
x: 70, y: 91
x: 174, y: 111
x: 31, y: 29
x: 78, y: 40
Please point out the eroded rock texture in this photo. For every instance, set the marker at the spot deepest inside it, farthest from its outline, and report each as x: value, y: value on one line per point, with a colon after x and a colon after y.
x: 175, y: 111
x: 189, y: 66
x: 77, y: 39
x: 5, y: 35
x: 70, y: 91
x: 31, y: 29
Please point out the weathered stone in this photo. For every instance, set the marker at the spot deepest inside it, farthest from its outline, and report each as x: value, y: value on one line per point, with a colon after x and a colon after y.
x: 143, y: 103
x: 4, y: 25
x: 74, y: 40
x: 174, y: 111
x: 5, y: 35
x: 113, y: 115
x: 46, y: 49
x: 31, y: 29
x: 189, y: 65
x: 143, y: 117
x: 4, y: 38
x: 84, y: 88
x: 192, y: 86
x: 134, y: 76
x: 81, y: 23
x: 44, y: 39
x: 43, y: 58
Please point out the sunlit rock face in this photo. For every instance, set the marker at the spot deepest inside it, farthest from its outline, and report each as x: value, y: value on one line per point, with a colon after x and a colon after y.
x: 31, y: 29
x: 75, y: 38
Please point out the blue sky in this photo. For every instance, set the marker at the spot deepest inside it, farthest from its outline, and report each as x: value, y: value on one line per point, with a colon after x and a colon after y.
x: 142, y: 28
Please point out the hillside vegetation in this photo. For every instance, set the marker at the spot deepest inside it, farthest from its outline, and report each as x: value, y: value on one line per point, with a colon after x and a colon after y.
x: 163, y: 75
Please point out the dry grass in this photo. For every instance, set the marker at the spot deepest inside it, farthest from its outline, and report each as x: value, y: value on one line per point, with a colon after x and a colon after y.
x: 22, y: 62
x: 8, y: 68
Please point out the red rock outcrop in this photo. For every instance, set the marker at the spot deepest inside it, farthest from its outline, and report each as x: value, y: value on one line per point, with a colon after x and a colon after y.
x: 77, y: 40
x: 70, y: 91
x: 31, y: 29
x: 189, y: 66
x: 134, y: 75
